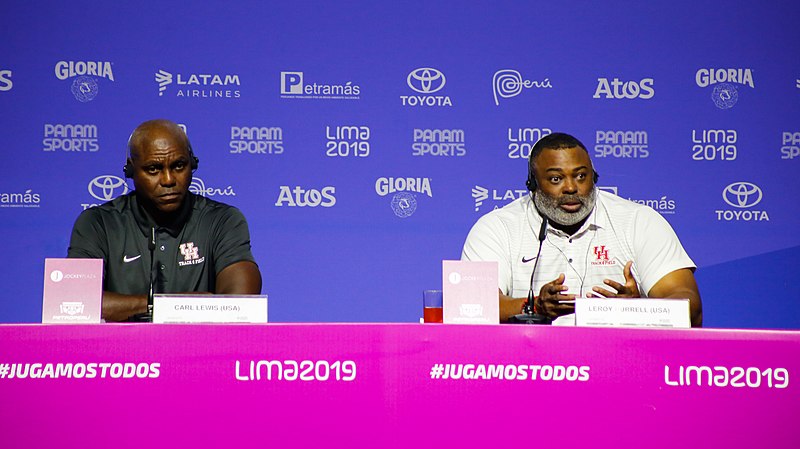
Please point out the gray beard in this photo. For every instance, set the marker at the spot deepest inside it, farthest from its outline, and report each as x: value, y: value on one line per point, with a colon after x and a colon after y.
x: 548, y: 206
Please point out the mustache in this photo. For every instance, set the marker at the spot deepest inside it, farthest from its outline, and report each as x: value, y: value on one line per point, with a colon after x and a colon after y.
x: 571, y: 199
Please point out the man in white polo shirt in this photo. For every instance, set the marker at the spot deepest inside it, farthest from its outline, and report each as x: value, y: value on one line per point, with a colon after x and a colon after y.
x: 594, y: 243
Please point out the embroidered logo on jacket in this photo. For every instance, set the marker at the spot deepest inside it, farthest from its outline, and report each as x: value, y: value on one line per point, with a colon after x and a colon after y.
x: 191, y: 254
x: 601, y: 256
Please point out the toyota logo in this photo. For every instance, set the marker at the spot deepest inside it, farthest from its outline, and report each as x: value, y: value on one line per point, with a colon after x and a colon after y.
x: 426, y: 80
x: 742, y: 194
x: 107, y: 187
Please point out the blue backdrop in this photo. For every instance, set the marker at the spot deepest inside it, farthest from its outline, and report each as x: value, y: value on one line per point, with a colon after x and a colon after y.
x: 363, y: 139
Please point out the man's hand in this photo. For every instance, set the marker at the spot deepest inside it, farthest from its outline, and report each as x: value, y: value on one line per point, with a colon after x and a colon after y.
x: 551, y: 297
x: 630, y: 289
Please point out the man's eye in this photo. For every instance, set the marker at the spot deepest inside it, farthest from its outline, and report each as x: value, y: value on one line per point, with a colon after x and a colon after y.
x: 555, y: 179
x: 180, y: 165
x: 152, y: 169
x: 582, y: 176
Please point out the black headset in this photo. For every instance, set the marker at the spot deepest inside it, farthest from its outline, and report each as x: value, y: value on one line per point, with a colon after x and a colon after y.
x: 127, y: 169
x: 530, y: 183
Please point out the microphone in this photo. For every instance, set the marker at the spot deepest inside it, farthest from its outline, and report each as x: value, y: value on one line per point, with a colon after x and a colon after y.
x: 529, y: 315
x: 152, y: 246
x: 147, y: 317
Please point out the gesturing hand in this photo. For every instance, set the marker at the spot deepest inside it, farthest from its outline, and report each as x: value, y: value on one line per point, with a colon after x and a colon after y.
x: 550, y: 299
x: 630, y: 289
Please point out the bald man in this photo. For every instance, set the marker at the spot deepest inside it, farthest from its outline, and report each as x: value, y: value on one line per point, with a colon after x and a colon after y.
x: 201, y: 245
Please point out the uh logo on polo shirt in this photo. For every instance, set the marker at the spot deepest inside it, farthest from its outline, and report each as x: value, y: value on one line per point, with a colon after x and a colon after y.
x: 191, y: 255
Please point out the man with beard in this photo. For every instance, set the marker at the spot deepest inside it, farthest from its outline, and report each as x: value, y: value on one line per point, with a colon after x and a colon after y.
x: 596, y: 244
x: 201, y: 245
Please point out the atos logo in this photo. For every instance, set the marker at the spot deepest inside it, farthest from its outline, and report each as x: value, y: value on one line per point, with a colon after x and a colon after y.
x: 629, y: 90
x: 106, y: 188
x: 426, y: 80
x: 300, y: 197
x: 5, y: 80
x: 742, y: 196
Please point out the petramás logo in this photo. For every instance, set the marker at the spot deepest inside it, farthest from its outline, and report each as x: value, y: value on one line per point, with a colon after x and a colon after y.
x: 199, y: 85
x: 725, y: 94
x: 295, y: 85
x: 84, y: 75
x: 743, y: 197
x: 426, y: 81
x: 624, y: 90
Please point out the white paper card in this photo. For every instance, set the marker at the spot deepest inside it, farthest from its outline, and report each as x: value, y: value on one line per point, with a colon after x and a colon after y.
x: 469, y: 291
x: 210, y: 308
x: 73, y: 291
x: 636, y: 312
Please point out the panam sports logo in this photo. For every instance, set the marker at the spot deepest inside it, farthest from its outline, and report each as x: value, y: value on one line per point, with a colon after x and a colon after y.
x: 725, y: 93
x: 84, y: 75
x: 198, y: 85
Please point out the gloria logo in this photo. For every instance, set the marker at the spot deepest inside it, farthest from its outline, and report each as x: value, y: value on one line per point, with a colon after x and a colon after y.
x: 301, y: 197
x: 198, y: 187
x: 742, y: 196
x: 107, y: 187
x: 293, y: 85
x: 199, y: 85
x: 5, y: 80
x: 256, y: 140
x: 403, y: 190
x: 85, y: 73
x: 508, y: 83
x: 70, y: 138
x: 23, y: 199
x: 426, y: 81
x: 725, y: 94
x: 499, y: 197
x: 619, y: 90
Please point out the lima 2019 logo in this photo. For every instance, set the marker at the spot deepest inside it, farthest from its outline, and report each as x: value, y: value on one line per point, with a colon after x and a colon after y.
x: 84, y: 75
x: 725, y: 94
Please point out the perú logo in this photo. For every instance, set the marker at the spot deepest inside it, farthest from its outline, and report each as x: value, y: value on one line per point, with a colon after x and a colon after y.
x: 507, y: 83
x: 300, y: 197
x: 619, y: 90
x: 742, y: 196
x: 198, y: 187
x: 189, y: 251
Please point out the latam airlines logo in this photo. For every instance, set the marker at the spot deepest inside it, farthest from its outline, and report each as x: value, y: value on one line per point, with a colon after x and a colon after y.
x: 743, y: 197
x: 499, y: 197
x: 5, y: 80
x: 508, y: 83
x: 404, y: 200
x: 199, y: 85
x: 85, y: 73
x: 294, y: 85
x: 426, y: 81
x: 725, y: 94
x: 624, y: 90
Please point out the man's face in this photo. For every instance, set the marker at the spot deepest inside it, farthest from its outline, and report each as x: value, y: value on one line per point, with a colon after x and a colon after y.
x: 565, y: 192
x: 161, y: 170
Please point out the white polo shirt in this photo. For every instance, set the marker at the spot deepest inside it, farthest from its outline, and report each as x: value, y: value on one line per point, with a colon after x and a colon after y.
x: 616, y: 231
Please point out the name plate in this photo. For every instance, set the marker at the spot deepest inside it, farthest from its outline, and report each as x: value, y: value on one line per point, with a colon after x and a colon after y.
x: 637, y: 312
x: 210, y: 309
x: 469, y: 291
